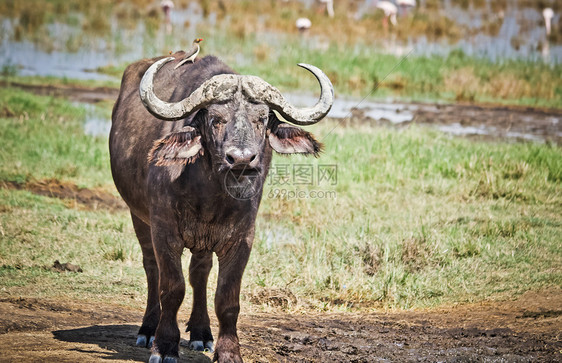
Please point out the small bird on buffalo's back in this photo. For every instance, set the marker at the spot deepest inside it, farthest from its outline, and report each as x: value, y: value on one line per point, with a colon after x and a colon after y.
x: 192, y: 53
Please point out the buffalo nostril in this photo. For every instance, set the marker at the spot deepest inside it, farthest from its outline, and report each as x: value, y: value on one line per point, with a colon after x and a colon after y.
x: 235, y: 156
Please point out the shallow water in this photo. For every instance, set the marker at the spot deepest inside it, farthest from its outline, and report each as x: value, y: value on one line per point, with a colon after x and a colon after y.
x: 60, y: 46
x: 343, y: 108
x: 96, y: 123
x: 456, y: 120
x: 495, y: 31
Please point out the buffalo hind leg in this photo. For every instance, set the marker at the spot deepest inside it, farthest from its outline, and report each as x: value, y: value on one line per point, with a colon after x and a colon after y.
x: 199, y: 324
x: 152, y: 312
x: 168, y: 247
x: 227, y: 303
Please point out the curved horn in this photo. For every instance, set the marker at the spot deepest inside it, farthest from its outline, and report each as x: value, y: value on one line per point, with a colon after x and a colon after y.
x: 219, y: 88
x: 257, y: 89
x: 222, y: 87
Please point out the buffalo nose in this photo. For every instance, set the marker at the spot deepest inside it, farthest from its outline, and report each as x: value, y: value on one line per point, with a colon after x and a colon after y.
x: 237, y: 156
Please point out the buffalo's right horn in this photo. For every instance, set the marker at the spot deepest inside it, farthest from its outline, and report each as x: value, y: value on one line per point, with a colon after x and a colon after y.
x: 217, y: 89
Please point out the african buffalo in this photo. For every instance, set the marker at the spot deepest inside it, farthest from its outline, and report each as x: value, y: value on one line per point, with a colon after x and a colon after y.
x: 197, y: 183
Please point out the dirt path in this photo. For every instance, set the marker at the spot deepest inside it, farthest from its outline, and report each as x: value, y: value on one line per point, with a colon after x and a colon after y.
x: 526, y: 330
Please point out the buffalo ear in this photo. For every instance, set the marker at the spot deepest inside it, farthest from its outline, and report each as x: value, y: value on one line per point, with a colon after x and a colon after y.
x: 288, y: 139
x: 177, y: 148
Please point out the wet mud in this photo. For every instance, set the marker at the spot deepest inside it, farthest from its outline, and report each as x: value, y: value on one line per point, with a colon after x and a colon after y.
x: 525, y: 330
x: 72, y: 93
x: 487, y: 122
x: 74, y: 197
x: 483, y: 122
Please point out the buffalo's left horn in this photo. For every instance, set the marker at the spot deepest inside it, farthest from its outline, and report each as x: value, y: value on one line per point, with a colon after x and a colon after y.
x: 259, y: 90
x: 222, y: 88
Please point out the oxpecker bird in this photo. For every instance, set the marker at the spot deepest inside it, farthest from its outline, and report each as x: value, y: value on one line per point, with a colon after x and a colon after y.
x: 167, y: 6
x: 192, y: 53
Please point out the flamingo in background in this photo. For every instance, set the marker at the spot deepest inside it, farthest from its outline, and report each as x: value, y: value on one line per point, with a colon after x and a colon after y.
x: 329, y: 6
x: 547, y: 14
x: 404, y: 5
x: 388, y: 7
x: 390, y: 11
x: 167, y: 6
x: 303, y: 24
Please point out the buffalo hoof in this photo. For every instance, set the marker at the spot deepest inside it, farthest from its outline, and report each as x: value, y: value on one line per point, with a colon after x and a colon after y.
x: 142, y: 342
x: 199, y: 346
x: 157, y: 358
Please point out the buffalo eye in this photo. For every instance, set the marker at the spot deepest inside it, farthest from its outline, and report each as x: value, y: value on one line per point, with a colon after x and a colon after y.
x: 262, y: 122
x: 217, y: 121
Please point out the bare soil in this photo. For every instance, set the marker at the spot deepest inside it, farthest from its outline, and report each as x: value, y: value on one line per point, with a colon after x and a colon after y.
x: 82, y: 198
x: 526, y: 330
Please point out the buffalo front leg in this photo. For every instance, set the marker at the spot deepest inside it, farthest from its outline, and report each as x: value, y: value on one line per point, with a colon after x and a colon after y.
x: 227, y: 302
x: 152, y: 312
x: 199, y: 323
x: 168, y: 247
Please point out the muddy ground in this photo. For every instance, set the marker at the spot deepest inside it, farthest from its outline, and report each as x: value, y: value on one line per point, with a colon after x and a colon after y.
x: 73, y: 196
x: 517, y: 123
x: 484, y: 122
x: 526, y: 330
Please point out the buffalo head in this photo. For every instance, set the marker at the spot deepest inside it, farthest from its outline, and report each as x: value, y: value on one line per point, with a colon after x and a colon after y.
x: 232, y: 120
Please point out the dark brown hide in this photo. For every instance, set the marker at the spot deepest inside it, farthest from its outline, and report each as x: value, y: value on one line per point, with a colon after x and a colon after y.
x: 194, y: 183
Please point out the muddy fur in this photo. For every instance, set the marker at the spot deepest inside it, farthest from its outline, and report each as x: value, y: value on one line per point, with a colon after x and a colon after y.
x: 288, y: 139
x: 178, y: 148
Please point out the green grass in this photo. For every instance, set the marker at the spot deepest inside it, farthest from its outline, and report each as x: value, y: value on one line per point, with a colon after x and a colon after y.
x: 362, y: 71
x: 419, y: 219
x: 36, y: 231
x: 416, y: 218
x: 43, y: 137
